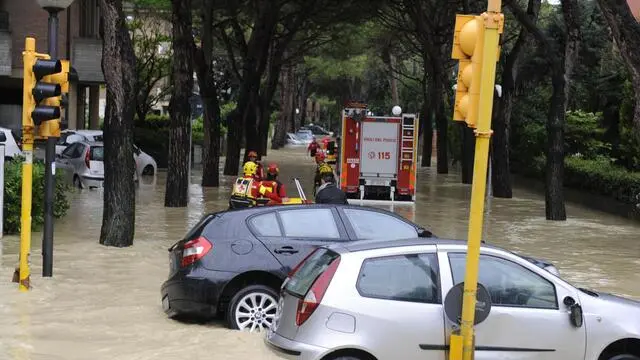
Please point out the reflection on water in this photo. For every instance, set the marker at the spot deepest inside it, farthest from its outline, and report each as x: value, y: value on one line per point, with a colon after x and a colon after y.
x: 104, y: 303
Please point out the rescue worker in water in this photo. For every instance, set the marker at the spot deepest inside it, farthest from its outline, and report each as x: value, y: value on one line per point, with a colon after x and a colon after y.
x: 272, y: 188
x: 246, y: 189
x: 253, y: 157
x: 321, y: 168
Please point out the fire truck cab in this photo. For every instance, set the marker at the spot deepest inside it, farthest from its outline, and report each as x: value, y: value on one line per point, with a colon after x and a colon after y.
x: 378, y: 155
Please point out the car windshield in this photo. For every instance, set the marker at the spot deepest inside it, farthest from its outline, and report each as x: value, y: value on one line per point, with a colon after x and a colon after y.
x: 97, y: 153
x: 307, y: 274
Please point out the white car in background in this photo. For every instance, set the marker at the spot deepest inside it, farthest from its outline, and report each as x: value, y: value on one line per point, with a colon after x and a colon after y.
x: 293, y: 140
x: 11, y: 147
x: 145, y: 164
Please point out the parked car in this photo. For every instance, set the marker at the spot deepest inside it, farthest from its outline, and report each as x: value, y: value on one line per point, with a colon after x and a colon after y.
x: 11, y: 143
x: 145, y: 164
x: 317, y: 130
x: 82, y: 163
x: 232, y: 259
x: 293, y: 140
x: 305, y: 136
x: 384, y: 300
x: 68, y: 137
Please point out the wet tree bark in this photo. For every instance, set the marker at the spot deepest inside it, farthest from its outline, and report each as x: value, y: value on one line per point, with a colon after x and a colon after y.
x: 203, y: 61
x: 177, y: 188
x: 501, y: 171
x: 626, y: 34
x: 426, y: 125
x: 118, y: 64
x: 286, y: 108
x: 468, y: 153
x: 562, y: 65
x: 442, y: 123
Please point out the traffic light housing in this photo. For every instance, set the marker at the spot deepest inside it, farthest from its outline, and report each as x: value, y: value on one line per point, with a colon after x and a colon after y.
x: 46, y: 83
x: 467, y: 49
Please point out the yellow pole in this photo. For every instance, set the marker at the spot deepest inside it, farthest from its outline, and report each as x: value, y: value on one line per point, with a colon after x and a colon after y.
x: 29, y: 57
x: 492, y: 20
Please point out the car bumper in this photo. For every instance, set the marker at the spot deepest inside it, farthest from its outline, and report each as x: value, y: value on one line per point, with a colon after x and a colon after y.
x: 194, y: 296
x: 289, y: 349
x: 92, y: 181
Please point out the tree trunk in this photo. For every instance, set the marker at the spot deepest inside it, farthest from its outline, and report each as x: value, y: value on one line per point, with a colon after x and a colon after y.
x: 118, y: 66
x: 554, y: 194
x: 468, y: 153
x: 626, y: 34
x: 395, y: 97
x: 501, y: 171
x: 234, y: 142
x: 177, y: 188
x: 203, y: 60
x: 427, y: 126
x: 286, y: 108
x: 442, y: 123
x: 500, y: 144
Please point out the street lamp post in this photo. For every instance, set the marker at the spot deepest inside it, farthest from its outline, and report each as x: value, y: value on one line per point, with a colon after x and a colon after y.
x: 53, y: 7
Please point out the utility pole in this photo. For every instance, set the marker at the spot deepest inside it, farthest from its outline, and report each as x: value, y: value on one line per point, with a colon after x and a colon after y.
x: 53, y: 7
x: 476, y: 46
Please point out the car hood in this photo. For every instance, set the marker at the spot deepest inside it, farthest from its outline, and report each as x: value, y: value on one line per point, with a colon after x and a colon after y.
x: 615, y: 299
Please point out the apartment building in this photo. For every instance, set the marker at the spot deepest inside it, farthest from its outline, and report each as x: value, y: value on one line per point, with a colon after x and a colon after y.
x: 78, y: 40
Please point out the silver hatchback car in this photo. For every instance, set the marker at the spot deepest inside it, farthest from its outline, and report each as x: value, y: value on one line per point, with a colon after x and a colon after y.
x: 384, y: 300
x: 83, y: 164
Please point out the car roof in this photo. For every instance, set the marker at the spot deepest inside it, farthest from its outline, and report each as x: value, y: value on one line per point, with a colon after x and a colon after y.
x: 365, y: 245
x: 260, y: 209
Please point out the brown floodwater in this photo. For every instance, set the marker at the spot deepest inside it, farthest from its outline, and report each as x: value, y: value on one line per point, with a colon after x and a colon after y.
x: 104, y: 303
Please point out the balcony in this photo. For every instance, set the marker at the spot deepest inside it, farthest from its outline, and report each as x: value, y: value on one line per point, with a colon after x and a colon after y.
x: 5, y: 45
x: 87, y: 59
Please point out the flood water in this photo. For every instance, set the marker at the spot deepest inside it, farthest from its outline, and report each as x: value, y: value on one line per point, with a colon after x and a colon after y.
x: 104, y: 303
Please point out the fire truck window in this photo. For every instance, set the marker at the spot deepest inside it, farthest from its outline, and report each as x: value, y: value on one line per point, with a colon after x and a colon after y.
x: 373, y: 225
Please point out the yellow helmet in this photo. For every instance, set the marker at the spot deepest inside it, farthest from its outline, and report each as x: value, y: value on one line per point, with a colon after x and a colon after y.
x: 250, y: 168
x: 324, y: 168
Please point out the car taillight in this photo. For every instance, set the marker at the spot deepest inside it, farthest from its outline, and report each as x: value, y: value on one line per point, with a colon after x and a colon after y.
x: 194, y: 250
x: 87, y: 159
x: 314, y: 296
x: 295, y: 269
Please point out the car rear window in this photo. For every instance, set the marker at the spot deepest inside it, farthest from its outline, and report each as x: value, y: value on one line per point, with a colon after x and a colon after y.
x: 307, y: 274
x: 97, y: 153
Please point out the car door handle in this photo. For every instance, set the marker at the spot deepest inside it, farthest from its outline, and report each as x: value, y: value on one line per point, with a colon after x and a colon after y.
x: 286, y: 250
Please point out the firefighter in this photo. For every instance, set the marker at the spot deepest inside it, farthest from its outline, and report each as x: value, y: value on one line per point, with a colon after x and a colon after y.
x: 328, y: 192
x: 246, y: 189
x: 313, y: 147
x: 322, y: 167
x: 272, y: 188
x: 253, y: 156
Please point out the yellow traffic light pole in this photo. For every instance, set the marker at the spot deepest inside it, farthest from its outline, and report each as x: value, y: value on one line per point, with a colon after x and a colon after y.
x: 29, y: 58
x: 492, y: 22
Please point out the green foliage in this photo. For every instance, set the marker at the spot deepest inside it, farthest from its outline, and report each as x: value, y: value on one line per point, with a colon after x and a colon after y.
x: 583, y: 135
x: 596, y: 176
x: 13, y: 196
x: 152, y: 134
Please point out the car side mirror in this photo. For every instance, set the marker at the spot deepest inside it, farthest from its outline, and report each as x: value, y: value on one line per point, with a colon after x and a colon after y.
x: 422, y: 232
x: 575, y: 312
x: 3, y: 137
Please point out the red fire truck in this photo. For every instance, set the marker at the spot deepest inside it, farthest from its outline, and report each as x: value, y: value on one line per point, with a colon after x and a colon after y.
x: 378, y: 155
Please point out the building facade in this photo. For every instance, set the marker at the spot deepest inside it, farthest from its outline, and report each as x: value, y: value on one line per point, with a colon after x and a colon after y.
x: 78, y: 41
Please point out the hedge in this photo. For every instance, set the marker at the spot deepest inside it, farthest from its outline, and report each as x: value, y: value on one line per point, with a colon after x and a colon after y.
x: 597, y: 176
x: 13, y: 196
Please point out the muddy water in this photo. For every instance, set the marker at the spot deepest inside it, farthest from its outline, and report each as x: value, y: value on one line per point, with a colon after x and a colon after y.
x: 104, y: 303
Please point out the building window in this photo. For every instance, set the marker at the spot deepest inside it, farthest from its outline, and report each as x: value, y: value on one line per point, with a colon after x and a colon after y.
x: 89, y: 19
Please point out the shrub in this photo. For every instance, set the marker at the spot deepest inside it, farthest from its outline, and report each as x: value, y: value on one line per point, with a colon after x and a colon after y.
x: 596, y: 176
x: 13, y: 196
x: 584, y: 136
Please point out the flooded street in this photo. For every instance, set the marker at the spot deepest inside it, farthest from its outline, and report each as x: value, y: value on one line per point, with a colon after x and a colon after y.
x: 104, y: 303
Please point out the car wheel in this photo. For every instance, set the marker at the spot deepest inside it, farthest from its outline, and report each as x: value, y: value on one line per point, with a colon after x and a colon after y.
x: 77, y: 182
x: 252, y: 309
x: 624, y: 357
x: 148, y: 170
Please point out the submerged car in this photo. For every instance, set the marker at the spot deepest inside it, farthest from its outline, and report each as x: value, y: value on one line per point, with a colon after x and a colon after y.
x: 83, y: 164
x: 384, y: 300
x: 232, y: 263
